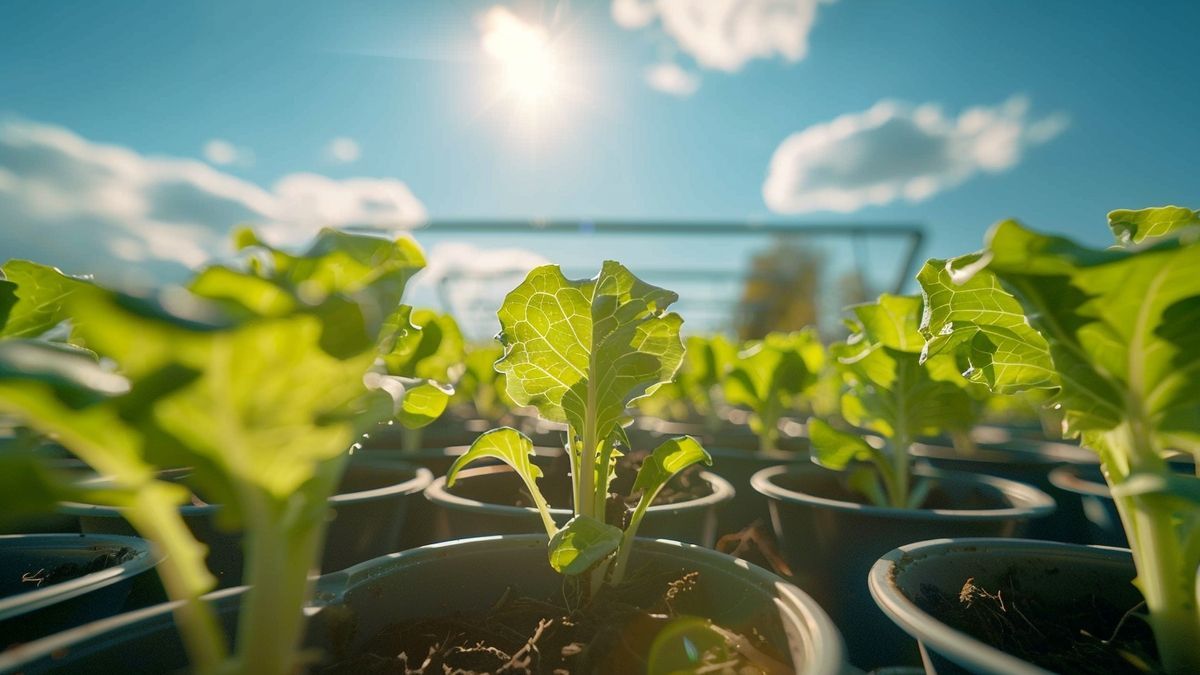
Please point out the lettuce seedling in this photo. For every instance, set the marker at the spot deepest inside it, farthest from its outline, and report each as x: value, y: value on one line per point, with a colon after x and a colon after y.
x: 481, y: 387
x: 1113, y: 333
x: 768, y: 376
x: 889, y: 391
x: 261, y: 394
x: 581, y: 352
x: 705, y: 363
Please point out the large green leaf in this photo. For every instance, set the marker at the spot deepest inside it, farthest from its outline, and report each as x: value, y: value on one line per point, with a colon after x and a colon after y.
x: 582, y: 543
x: 836, y: 449
x: 889, y: 389
x: 265, y: 404
x: 1135, y: 227
x: 1103, y: 326
x: 581, y: 351
x: 42, y: 293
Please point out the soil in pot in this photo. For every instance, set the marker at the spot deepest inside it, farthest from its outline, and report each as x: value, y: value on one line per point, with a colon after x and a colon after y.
x: 1076, y: 634
x: 618, y: 632
x: 38, y: 576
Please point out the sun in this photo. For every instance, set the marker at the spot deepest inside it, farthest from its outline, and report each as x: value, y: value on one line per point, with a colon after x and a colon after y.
x: 526, y: 59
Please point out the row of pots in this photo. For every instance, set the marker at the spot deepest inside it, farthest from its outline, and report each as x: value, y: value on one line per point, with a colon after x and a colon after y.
x: 830, y: 542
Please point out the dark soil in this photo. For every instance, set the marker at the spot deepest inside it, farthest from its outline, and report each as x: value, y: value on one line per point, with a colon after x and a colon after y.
x: 1063, y: 634
x: 38, y: 578
x: 527, y: 636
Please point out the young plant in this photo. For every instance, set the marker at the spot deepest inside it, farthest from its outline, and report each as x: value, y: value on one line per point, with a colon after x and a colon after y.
x: 705, y: 362
x: 889, y: 391
x: 261, y: 394
x: 1113, y: 333
x: 581, y: 352
x: 427, y: 356
x: 768, y: 376
x: 481, y: 388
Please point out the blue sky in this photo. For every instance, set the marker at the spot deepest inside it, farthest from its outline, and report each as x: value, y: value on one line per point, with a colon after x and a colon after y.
x: 1101, y: 113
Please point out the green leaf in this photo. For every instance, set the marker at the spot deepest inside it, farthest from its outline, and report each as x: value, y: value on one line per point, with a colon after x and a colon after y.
x: 1135, y: 227
x: 8, y: 298
x: 890, y: 389
x: 582, y: 543
x: 706, y: 360
x: 581, y: 351
x: 669, y: 458
x: 1100, y: 324
x: 835, y: 449
x: 427, y: 345
x: 768, y: 376
x: 968, y: 311
x: 514, y: 449
x: 41, y: 298
x: 423, y: 402
x: 481, y: 384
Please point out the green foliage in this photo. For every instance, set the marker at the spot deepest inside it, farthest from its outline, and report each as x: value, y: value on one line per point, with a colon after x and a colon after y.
x: 769, y: 375
x: 1112, y: 333
x: 33, y: 298
x: 1134, y: 227
x: 481, y: 385
x: 258, y: 381
x: 581, y: 352
x: 890, y: 391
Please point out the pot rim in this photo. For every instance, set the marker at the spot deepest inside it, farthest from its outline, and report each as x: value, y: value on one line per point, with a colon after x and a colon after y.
x: 1067, y: 478
x: 421, y: 479
x: 40, y: 598
x: 1041, y: 453
x: 722, y: 491
x: 1036, y: 503
x: 954, y: 644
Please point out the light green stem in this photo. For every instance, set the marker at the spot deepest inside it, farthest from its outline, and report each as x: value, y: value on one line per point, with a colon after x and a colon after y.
x: 281, y: 551
x: 1166, y: 563
x: 618, y: 572
x: 898, y: 486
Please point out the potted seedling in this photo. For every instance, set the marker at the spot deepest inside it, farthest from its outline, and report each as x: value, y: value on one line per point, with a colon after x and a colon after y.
x: 866, y: 484
x: 581, y: 364
x: 1112, y: 333
x: 258, y: 381
x: 769, y: 379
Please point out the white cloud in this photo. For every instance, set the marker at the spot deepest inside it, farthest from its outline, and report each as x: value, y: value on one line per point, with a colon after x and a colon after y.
x: 344, y: 150
x: 223, y: 153
x: 92, y: 207
x: 897, y: 151
x: 726, y: 34
x: 670, y: 78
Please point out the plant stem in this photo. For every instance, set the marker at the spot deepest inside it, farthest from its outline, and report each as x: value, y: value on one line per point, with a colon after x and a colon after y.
x: 1166, y: 564
x: 410, y: 440
x: 281, y: 548
x: 184, y: 576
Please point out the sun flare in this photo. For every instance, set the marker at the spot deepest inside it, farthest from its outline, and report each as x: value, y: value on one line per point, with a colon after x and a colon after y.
x: 528, y: 67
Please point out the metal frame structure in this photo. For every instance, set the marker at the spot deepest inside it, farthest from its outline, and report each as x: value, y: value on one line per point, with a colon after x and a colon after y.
x: 910, y: 233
